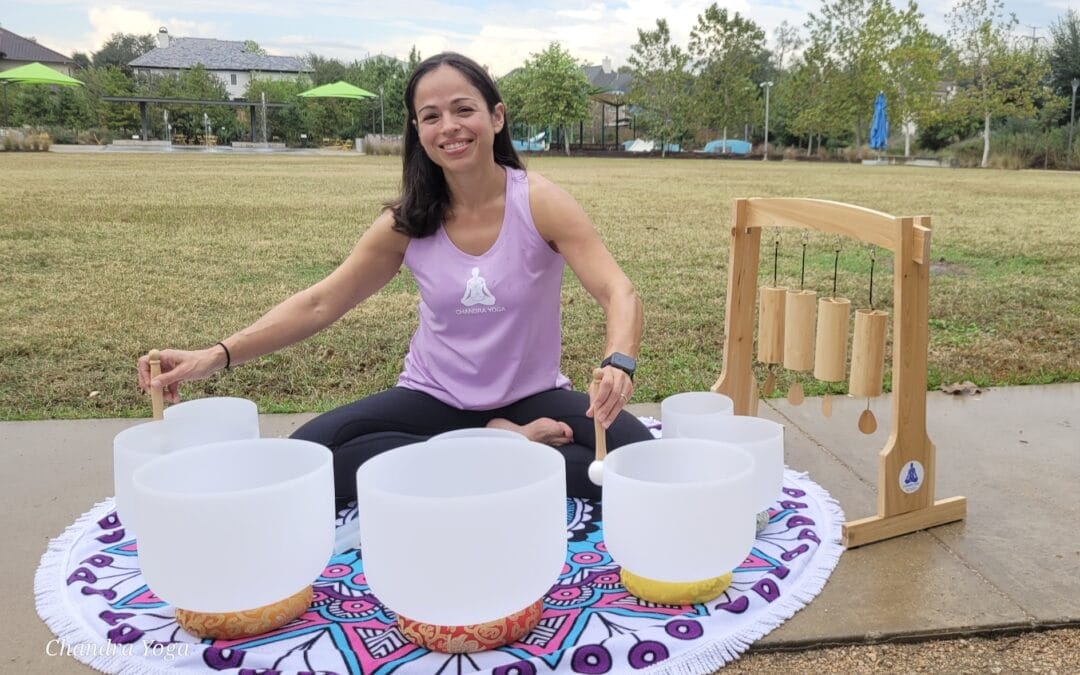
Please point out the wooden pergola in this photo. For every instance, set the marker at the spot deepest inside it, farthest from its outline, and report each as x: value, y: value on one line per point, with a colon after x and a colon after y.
x: 615, y: 99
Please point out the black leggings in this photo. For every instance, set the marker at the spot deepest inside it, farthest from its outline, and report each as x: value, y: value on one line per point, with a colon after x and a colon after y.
x: 389, y: 419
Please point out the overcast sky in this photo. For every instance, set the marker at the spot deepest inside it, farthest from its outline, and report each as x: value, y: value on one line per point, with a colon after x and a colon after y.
x: 499, y: 33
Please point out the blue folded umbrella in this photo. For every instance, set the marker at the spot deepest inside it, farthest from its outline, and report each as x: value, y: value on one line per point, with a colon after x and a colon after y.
x: 879, y: 128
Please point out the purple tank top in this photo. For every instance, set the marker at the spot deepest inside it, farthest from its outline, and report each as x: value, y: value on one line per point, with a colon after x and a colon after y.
x: 490, y: 325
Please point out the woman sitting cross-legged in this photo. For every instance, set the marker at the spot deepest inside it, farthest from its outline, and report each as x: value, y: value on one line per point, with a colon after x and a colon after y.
x: 487, y: 243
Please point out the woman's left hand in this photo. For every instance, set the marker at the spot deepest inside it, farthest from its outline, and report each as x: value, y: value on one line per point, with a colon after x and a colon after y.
x: 608, y: 398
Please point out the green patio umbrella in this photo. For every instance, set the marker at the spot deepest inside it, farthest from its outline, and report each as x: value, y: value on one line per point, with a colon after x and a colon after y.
x: 34, y: 73
x: 339, y: 89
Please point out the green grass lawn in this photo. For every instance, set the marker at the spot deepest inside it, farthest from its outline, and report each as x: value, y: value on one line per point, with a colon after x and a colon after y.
x: 104, y: 256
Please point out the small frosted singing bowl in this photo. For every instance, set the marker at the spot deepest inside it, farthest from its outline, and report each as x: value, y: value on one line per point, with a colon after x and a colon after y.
x: 678, y: 516
x: 233, y: 534
x: 213, y: 420
x: 463, y: 537
x: 763, y: 439
x: 677, y: 409
x: 480, y: 432
x: 132, y: 448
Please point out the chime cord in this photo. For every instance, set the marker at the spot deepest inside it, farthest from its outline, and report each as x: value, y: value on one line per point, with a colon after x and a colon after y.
x: 873, y: 259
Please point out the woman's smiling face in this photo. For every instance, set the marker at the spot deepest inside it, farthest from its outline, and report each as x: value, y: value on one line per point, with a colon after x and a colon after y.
x: 455, y: 126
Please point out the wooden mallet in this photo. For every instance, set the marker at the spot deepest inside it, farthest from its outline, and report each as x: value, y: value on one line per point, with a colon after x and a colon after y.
x: 596, y: 468
x: 157, y: 401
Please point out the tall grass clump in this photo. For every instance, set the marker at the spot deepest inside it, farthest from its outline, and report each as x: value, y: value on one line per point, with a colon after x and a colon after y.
x: 1020, y: 149
x: 377, y: 144
x: 26, y: 140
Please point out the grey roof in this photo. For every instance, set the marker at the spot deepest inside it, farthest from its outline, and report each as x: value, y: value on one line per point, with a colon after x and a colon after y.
x: 216, y: 55
x: 612, y: 81
x: 17, y: 48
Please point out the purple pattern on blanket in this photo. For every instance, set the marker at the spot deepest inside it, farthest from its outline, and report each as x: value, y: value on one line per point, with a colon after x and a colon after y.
x: 590, y: 623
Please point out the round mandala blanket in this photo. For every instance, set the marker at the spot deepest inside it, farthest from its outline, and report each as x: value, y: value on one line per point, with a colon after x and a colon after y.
x: 91, y: 593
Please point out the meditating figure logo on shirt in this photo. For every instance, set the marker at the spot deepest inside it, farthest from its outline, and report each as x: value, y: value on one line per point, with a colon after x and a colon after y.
x: 476, y: 291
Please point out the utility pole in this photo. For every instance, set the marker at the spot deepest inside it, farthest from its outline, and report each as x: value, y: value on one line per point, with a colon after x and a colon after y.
x: 766, y: 85
x: 1034, y: 38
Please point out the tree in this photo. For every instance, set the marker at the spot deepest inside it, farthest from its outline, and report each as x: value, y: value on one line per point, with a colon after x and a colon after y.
x: 324, y: 70
x: 121, y: 49
x: 726, y: 50
x: 662, y: 86
x: 192, y: 83
x: 110, y: 81
x: 1065, y: 51
x: 514, y: 88
x: 288, y: 123
x: 252, y: 47
x: 806, y: 98
x: 867, y: 46
x: 787, y: 40
x: 912, y: 68
x: 554, y: 91
x: 387, y: 77
x: 81, y: 59
x: 996, y: 78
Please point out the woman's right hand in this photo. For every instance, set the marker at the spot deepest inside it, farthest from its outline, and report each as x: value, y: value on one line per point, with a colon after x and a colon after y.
x: 179, y: 366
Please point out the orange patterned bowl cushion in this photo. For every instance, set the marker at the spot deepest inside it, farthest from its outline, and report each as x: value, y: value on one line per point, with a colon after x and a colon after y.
x: 474, y: 637
x: 247, y: 623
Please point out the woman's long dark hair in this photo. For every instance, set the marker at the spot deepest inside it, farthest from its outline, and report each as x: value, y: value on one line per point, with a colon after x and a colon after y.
x: 425, y: 197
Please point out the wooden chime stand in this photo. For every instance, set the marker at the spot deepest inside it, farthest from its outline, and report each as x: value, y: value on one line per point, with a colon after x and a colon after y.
x: 901, y: 509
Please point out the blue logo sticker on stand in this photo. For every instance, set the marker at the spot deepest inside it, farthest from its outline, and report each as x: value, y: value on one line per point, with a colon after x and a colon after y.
x: 911, y: 476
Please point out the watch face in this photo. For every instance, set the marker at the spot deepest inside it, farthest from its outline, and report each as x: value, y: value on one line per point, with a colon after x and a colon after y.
x: 623, y: 362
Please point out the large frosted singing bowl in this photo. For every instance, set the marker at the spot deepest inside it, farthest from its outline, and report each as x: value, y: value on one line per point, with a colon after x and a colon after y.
x: 762, y: 438
x: 213, y: 420
x: 132, y: 448
x: 678, y: 516
x: 234, y: 533
x: 677, y: 409
x: 196, y: 422
x: 480, y: 432
x: 463, y: 537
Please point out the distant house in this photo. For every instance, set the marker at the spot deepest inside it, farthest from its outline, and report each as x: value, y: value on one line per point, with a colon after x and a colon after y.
x: 230, y: 61
x: 612, y: 82
x: 16, y: 50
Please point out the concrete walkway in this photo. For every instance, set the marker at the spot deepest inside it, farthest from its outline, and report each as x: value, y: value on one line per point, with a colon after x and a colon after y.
x: 1011, y: 565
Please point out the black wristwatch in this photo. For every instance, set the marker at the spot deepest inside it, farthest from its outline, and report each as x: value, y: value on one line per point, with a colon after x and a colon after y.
x: 627, y: 364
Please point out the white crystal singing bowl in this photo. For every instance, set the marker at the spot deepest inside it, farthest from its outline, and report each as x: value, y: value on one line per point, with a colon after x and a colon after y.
x: 679, y: 408
x: 212, y: 420
x: 462, y: 531
x: 678, y: 509
x: 762, y: 438
x: 480, y: 432
x: 234, y: 526
x: 132, y: 448
x: 196, y: 422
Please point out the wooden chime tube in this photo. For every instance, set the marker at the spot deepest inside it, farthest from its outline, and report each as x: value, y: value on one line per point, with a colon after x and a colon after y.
x: 771, y: 324
x: 868, y: 352
x: 800, y: 308
x: 830, y: 354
